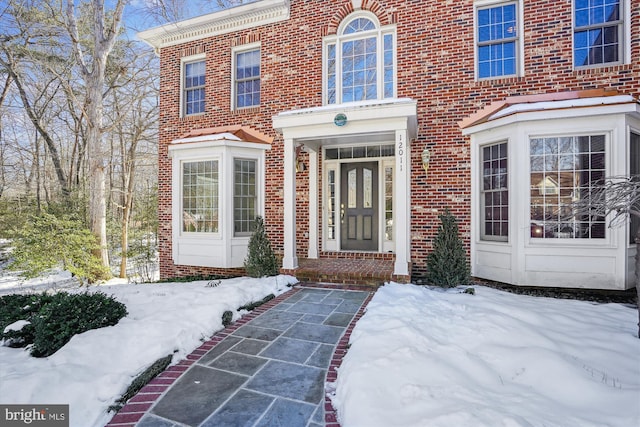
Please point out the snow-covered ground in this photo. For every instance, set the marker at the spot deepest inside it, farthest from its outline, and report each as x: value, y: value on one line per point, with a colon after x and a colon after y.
x: 424, y: 357
x: 92, y: 371
x: 419, y: 356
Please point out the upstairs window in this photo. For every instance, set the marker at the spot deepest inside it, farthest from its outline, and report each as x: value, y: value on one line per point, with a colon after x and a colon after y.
x: 497, y: 41
x: 598, y: 32
x: 193, y: 87
x: 247, y: 78
x: 360, y: 62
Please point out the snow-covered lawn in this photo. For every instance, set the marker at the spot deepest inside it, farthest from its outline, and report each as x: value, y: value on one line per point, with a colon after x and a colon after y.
x: 96, y: 367
x: 422, y: 357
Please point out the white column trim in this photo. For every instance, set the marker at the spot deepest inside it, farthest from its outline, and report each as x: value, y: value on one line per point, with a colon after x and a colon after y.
x: 313, y: 203
x: 402, y: 214
x: 290, y: 260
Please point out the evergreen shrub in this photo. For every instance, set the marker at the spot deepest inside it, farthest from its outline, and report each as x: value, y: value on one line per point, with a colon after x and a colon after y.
x: 447, y: 263
x: 56, y: 318
x: 261, y: 260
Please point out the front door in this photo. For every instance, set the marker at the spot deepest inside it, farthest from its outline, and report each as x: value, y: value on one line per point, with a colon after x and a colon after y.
x: 359, y: 206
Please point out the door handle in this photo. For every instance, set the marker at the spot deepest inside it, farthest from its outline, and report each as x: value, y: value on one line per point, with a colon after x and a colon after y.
x: 342, y: 212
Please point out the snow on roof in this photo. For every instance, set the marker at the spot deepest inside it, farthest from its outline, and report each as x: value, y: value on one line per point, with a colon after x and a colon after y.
x: 226, y: 133
x: 545, y: 101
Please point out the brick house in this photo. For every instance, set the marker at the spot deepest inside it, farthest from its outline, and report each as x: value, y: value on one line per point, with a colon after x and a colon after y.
x: 350, y: 125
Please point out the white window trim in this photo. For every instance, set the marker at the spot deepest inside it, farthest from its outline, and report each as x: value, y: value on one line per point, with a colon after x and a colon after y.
x: 183, y: 61
x: 483, y: 4
x: 625, y: 51
x: 180, y: 219
x: 608, y: 167
x: 234, y: 52
x: 481, y: 215
x: 380, y: 32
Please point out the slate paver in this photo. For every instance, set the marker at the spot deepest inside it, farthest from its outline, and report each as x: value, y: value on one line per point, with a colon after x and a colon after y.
x: 287, y: 413
x: 290, y: 350
x: 249, y: 346
x: 321, y: 357
x: 197, y: 394
x: 255, y: 332
x: 243, y: 409
x: 219, y: 349
x: 317, y: 333
x: 290, y: 381
x: 239, y: 363
x: 312, y: 308
x: 338, y: 319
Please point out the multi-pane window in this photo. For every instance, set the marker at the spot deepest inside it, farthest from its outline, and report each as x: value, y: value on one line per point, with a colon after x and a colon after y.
x: 200, y: 196
x: 564, y: 170
x: 244, y: 196
x: 495, y: 194
x: 331, y: 204
x: 360, y: 63
x: 497, y: 38
x: 598, y: 29
x: 247, y: 78
x: 193, y: 86
x: 388, y: 203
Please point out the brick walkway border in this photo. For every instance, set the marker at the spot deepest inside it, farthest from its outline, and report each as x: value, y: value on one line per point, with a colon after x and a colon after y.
x: 139, y: 404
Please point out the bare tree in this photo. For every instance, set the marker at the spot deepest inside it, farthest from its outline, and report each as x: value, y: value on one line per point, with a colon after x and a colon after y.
x: 93, y: 63
x: 619, y: 199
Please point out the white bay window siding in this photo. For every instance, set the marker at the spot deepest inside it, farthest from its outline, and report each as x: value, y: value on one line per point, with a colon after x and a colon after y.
x: 208, y: 171
x: 554, y: 158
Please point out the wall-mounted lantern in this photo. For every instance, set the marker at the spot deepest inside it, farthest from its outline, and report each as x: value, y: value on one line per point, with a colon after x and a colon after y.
x: 426, y: 158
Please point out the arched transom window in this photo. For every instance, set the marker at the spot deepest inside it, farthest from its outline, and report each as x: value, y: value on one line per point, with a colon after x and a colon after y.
x: 359, y: 61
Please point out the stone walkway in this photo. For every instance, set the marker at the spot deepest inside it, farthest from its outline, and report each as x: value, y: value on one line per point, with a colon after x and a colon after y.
x: 267, y: 369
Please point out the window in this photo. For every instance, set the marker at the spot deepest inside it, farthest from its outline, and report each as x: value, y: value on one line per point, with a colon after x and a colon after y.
x: 495, y: 194
x: 200, y: 196
x: 598, y: 32
x: 193, y: 85
x: 563, y: 171
x: 247, y: 78
x: 497, y: 41
x: 360, y: 62
x: 244, y: 196
x: 388, y: 203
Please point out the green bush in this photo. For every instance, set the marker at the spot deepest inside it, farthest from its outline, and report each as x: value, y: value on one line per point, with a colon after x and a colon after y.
x: 47, y: 241
x: 261, y: 260
x: 69, y: 314
x: 16, y: 307
x: 56, y: 318
x: 447, y: 264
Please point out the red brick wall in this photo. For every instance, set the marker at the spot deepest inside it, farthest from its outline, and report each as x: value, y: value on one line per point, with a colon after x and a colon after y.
x: 435, y: 67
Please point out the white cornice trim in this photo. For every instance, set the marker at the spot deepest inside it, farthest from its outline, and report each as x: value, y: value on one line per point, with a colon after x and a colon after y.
x: 225, y: 21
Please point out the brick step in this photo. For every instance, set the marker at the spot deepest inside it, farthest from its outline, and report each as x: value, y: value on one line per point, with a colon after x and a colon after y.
x: 368, y: 272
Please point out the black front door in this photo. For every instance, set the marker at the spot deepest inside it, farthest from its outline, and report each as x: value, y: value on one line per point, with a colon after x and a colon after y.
x: 359, y: 206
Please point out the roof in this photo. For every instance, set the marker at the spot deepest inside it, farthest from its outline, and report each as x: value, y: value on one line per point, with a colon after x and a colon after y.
x: 229, y: 133
x: 545, y: 101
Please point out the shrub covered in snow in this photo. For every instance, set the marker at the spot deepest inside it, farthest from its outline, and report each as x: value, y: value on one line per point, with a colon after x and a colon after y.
x: 50, y: 321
